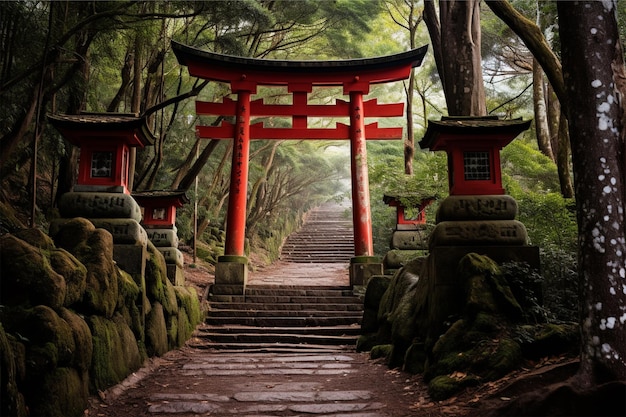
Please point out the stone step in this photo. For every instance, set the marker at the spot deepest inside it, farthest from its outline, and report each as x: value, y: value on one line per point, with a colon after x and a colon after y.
x: 346, y: 306
x: 287, y: 299
x: 351, y: 329
x: 269, y: 347
x: 225, y: 312
x: 290, y: 338
x: 282, y: 321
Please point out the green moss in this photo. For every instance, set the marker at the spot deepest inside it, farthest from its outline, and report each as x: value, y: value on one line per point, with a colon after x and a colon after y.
x: 444, y: 386
x: 61, y: 393
x: 115, y: 351
x: 156, y: 274
x: 381, y: 351
x: 27, y: 276
x: 74, y: 273
x: 156, y: 331
x: 188, y: 300
x: 83, y: 342
x: 12, y: 400
x: 415, y: 359
x: 366, y: 342
x: 506, y: 357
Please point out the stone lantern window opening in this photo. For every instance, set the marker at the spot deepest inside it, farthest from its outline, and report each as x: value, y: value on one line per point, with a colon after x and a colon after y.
x: 159, y: 213
x: 477, y: 165
x: 102, y: 164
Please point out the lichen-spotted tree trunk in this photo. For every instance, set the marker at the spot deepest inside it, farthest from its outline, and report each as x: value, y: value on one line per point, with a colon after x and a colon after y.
x: 456, y: 46
x: 593, y: 70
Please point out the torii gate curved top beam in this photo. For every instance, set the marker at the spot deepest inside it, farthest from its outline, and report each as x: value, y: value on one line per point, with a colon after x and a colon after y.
x: 353, y: 74
x: 245, y: 74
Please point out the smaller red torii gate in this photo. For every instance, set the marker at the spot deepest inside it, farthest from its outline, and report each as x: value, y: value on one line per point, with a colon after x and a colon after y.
x: 244, y: 76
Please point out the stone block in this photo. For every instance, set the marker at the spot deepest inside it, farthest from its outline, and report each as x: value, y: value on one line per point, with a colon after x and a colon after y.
x: 176, y: 274
x: 479, y: 232
x: 99, y: 206
x: 172, y: 256
x: 99, y: 188
x: 362, y: 268
x: 409, y: 239
x: 477, y: 207
x: 231, y: 275
x: 131, y: 258
x: 124, y: 231
x: 163, y: 237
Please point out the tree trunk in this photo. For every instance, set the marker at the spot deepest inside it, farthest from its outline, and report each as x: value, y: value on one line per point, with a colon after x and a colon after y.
x: 593, y: 70
x: 462, y: 70
x: 534, y: 40
x: 541, y: 113
x: 563, y: 157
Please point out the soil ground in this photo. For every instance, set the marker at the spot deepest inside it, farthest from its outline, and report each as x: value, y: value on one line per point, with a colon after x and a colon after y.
x: 400, y: 393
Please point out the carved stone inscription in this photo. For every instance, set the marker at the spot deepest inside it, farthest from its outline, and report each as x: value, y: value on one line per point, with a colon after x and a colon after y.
x: 483, y: 207
x: 505, y: 232
x: 99, y: 205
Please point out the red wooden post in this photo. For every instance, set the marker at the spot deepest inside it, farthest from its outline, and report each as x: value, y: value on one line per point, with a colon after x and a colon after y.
x: 361, y: 212
x: 238, y: 195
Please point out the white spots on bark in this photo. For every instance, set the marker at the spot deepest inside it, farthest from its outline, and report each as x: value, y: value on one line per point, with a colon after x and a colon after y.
x: 598, y: 306
x: 608, y: 6
x: 607, y: 323
x: 622, y: 318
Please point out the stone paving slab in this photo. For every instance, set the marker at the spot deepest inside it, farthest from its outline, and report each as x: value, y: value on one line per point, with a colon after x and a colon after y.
x: 193, y: 383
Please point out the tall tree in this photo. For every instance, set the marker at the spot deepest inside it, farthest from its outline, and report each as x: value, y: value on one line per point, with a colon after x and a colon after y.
x: 456, y: 38
x: 534, y: 39
x: 594, y: 73
x: 408, y: 15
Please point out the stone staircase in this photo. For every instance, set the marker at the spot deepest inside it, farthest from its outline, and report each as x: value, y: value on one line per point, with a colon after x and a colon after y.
x: 269, y: 318
x: 291, y: 318
x: 325, y: 237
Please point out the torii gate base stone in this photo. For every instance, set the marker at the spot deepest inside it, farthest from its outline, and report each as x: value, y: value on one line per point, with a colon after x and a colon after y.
x: 244, y: 76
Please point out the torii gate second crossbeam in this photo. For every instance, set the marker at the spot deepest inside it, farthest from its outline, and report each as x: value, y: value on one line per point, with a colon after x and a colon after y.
x: 244, y: 76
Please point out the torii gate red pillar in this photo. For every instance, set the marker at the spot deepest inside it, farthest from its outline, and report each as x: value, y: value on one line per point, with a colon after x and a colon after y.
x: 238, y: 194
x: 244, y: 75
x: 361, y: 212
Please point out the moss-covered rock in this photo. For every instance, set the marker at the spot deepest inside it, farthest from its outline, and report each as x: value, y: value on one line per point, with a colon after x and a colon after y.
x: 415, y: 358
x: 83, y: 342
x: 546, y: 339
x: 62, y: 392
x: 445, y: 386
x: 381, y: 351
x: 27, y: 275
x: 74, y: 273
x: 374, y: 292
x: 12, y: 401
x: 115, y: 351
x: 36, y: 238
x: 187, y: 298
x: 156, y: 331
x: 366, y: 342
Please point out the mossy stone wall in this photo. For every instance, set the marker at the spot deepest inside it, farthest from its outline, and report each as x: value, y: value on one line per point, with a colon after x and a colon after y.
x: 72, y: 322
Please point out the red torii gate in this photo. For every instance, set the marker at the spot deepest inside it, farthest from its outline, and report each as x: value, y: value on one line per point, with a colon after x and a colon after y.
x: 244, y: 75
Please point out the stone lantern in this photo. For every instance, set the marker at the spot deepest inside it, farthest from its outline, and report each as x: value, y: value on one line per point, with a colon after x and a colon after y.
x: 104, y: 140
x: 101, y: 193
x: 410, y: 236
x: 477, y: 216
x: 159, y: 220
x: 473, y: 147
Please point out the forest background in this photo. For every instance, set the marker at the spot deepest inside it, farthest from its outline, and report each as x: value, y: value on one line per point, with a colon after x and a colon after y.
x: 70, y: 57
